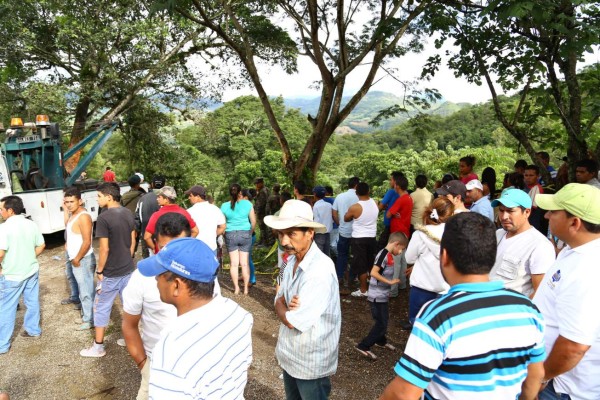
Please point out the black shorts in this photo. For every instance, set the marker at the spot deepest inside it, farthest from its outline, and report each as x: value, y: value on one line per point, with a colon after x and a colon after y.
x: 363, y: 254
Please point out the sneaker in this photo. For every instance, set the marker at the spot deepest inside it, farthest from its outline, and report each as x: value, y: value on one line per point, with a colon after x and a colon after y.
x: 84, y: 326
x: 64, y: 302
x: 386, y: 346
x: 405, y: 325
x: 358, y: 293
x: 26, y: 334
x: 368, y: 354
x: 96, y: 351
x: 121, y: 342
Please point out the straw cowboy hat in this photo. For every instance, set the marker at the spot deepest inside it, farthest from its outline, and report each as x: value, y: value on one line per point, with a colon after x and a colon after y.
x: 294, y: 214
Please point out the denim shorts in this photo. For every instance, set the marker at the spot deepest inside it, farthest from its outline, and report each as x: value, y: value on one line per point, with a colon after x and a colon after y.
x: 238, y: 240
x: 105, y: 297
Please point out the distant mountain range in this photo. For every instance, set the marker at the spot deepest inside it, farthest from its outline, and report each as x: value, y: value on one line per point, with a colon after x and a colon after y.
x: 369, y: 107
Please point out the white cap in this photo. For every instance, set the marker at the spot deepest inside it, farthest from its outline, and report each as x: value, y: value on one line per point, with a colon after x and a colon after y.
x: 474, y: 184
x: 141, y: 176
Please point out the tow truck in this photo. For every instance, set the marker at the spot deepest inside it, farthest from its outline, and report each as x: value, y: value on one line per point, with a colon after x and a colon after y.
x: 32, y: 167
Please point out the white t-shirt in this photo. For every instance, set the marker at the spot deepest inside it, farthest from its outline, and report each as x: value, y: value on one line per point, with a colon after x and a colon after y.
x: 207, y: 217
x: 424, y: 253
x: 141, y: 296
x: 568, y: 298
x: 204, y: 354
x: 519, y: 257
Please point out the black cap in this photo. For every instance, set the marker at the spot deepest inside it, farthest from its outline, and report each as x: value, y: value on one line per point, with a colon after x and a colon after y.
x: 454, y: 188
x: 158, y: 181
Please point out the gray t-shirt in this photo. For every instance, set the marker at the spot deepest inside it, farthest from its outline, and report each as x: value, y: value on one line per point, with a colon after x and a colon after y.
x: 379, y: 291
x: 116, y: 224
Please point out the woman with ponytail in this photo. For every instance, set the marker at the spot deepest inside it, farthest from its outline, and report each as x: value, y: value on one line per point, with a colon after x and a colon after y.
x: 423, y: 253
x: 240, y: 219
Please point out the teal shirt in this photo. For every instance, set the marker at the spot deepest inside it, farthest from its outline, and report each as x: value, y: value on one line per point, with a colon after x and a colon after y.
x: 238, y: 219
x: 19, y: 237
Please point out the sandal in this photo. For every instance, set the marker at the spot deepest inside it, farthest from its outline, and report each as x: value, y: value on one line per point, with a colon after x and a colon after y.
x: 366, y: 353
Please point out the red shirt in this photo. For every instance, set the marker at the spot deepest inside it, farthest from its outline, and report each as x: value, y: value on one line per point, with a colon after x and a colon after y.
x: 403, y: 206
x: 109, y: 176
x: 469, y: 177
x: 151, y: 227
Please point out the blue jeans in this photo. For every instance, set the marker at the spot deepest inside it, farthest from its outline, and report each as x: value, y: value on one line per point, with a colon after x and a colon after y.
x: 380, y: 313
x: 74, y: 296
x: 84, y: 277
x: 10, y: 292
x: 549, y: 394
x: 417, y: 298
x: 250, y: 262
x: 322, y: 241
x: 343, y: 250
x: 306, y: 389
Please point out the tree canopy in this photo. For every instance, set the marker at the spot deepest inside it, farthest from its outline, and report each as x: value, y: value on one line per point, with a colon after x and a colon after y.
x: 337, y: 36
x: 535, y: 47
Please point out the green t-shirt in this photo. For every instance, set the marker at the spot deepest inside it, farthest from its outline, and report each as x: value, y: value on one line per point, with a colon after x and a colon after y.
x: 19, y: 237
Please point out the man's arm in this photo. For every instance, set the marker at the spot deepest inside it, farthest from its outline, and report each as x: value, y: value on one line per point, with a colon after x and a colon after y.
x: 532, y: 383
x: 194, y: 231
x: 84, y: 222
x: 563, y: 357
x: 102, y: 256
x: 335, y: 216
x: 281, y: 309
x: 2, y: 253
x: 131, y: 333
x: 132, y: 247
x: 221, y: 229
x: 353, y: 212
x: 400, y: 389
x: 148, y: 240
x: 39, y: 249
x: 536, y: 279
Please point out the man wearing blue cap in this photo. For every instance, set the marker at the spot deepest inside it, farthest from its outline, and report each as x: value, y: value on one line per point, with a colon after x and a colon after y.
x: 206, y: 351
x: 524, y: 254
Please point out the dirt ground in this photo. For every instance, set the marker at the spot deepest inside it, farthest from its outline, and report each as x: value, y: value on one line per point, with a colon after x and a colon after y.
x: 50, y: 367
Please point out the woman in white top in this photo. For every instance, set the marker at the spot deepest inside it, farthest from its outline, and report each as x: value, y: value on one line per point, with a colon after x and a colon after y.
x: 423, y: 256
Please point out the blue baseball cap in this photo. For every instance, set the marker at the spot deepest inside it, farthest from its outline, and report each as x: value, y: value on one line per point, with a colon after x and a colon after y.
x: 319, y: 191
x: 187, y: 257
x: 513, y: 198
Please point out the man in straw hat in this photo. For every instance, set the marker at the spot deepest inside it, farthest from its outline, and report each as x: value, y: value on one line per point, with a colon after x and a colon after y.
x: 568, y: 296
x: 307, y: 304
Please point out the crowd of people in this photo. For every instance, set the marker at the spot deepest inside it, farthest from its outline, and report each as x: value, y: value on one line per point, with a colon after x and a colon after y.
x: 502, y: 283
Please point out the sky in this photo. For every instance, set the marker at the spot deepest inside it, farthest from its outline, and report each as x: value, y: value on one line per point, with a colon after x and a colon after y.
x: 456, y: 90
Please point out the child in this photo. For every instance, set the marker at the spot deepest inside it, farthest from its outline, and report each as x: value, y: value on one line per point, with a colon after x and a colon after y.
x: 533, y: 188
x: 378, y: 294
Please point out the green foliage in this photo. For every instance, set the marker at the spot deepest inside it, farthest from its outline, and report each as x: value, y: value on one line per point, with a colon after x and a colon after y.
x: 376, y: 167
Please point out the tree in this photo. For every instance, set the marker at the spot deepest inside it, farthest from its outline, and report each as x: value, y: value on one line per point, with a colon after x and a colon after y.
x: 529, y: 45
x: 106, y: 53
x: 239, y: 131
x: 337, y: 36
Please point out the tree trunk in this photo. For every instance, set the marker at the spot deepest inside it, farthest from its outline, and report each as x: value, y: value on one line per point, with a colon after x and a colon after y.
x: 78, y: 132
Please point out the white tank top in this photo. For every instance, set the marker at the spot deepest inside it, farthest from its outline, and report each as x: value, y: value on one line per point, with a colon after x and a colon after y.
x: 365, y: 226
x: 75, y: 240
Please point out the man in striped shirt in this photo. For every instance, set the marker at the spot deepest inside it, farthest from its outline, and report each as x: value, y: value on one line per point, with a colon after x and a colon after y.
x: 479, y: 341
x: 206, y: 351
x: 307, y: 304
